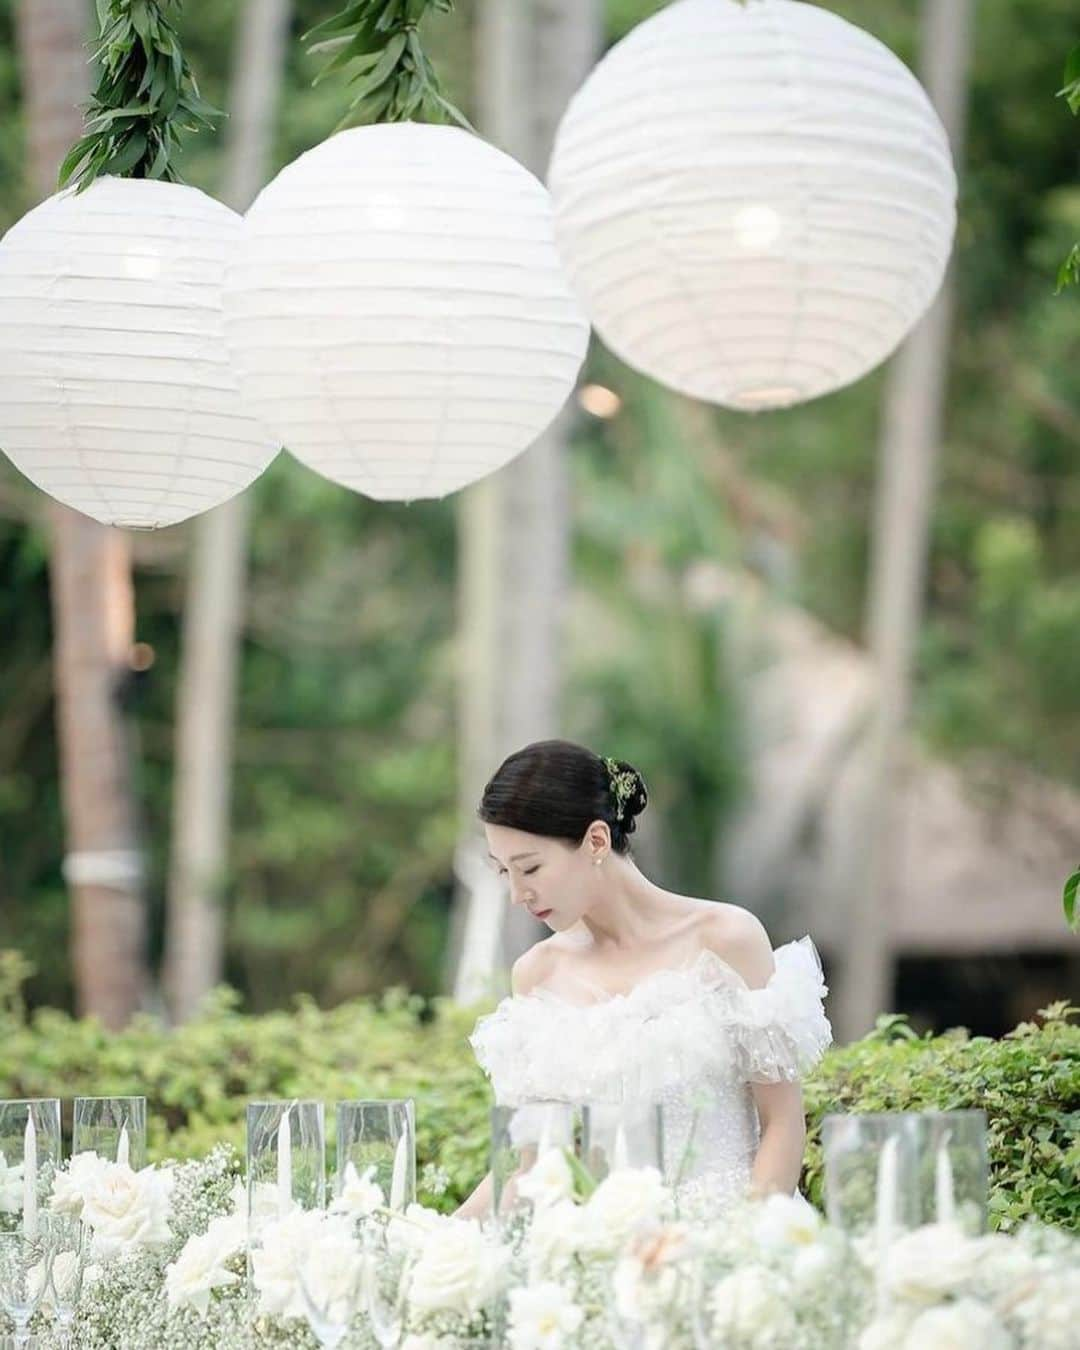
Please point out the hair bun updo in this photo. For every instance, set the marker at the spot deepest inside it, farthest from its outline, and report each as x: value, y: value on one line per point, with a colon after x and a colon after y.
x: 557, y: 789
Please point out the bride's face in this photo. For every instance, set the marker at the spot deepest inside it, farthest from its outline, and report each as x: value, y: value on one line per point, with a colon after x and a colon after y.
x: 549, y: 877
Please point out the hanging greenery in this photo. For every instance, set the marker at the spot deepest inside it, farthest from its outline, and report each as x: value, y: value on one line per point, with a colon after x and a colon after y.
x: 146, y: 97
x: 392, y: 79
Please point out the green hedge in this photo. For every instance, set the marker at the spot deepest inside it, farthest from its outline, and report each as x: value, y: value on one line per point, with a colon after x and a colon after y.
x: 199, y: 1078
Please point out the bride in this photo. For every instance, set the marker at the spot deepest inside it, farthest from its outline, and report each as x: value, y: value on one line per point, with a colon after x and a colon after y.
x: 640, y: 995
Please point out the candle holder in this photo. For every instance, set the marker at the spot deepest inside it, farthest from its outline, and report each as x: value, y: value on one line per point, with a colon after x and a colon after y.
x: 286, y: 1158
x: 622, y: 1136
x: 864, y: 1183
x: 522, y: 1135
x: 953, y: 1169
x: 112, y: 1127
x: 380, y: 1137
x: 29, y: 1157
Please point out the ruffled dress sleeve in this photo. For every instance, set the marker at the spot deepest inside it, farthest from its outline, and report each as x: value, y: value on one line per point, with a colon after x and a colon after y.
x: 676, y: 1026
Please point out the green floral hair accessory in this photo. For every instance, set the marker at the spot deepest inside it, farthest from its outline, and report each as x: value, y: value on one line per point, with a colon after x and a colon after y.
x: 623, y: 783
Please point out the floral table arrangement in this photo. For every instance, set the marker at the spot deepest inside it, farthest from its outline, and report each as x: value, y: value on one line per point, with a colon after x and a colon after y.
x: 166, y: 1263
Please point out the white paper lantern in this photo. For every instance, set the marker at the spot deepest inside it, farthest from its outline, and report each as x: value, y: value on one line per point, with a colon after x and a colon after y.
x: 755, y: 203
x: 399, y: 315
x: 116, y: 392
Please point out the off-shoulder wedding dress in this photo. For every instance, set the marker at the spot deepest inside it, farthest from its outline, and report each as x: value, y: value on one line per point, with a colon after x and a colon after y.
x: 693, y: 1038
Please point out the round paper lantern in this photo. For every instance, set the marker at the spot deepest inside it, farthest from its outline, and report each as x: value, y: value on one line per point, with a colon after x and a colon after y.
x: 116, y: 392
x: 755, y: 203
x: 398, y: 314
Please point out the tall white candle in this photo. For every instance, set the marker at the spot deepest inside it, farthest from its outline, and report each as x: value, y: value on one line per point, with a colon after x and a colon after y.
x: 886, y: 1199
x: 123, y: 1147
x: 944, y: 1186
x: 30, y: 1168
x: 284, y: 1164
x: 621, y: 1158
x: 401, y: 1172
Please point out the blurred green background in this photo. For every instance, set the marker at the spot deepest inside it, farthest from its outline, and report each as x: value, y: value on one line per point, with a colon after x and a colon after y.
x: 345, y: 810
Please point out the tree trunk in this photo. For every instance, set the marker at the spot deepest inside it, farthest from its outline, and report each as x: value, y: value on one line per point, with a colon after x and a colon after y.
x: 213, y: 612
x: 911, y: 438
x: 514, y: 528
x: 93, y: 609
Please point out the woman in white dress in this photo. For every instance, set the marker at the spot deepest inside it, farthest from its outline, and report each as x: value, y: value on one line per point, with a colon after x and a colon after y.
x: 642, y: 995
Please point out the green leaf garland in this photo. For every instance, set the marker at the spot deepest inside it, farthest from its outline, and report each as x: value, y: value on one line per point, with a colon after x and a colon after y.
x: 146, y: 97
x: 378, y: 43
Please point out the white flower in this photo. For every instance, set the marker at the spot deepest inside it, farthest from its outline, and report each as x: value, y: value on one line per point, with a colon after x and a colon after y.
x: 71, y: 1184
x: 457, y: 1270
x: 416, y: 1341
x: 542, y: 1317
x: 958, y: 1326
x: 885, y: 1333
x: 624, y: 1201
x: 647, y: 1276
x: 752, y: 1306
x: 264, y: 1198
x: 331, y: 1275
x: 556, y: 1234
x: 360, y: 1195
x: 285, y: 1245
x: 1050, y: 1316
x: 548, y: 1181
x: 11, y: 1187
x: 930, y: 1263
x: 782, y: 1221
x: 128, y: 1209
x: 201, y: 1267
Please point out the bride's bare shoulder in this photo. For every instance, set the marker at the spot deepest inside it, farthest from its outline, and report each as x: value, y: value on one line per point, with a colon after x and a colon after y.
x: 534, y: 966
x: 739, y: 937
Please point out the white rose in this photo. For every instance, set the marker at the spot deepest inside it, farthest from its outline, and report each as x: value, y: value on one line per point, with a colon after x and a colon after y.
x: 930, y: 1263
x: 782, y: 1221
x: 128, y: 1209
x: 201, y: 1268
x: 360, y: 1195
x: 457, y: 1271
x: 623, y: 1201
x: 885, y: 1333
x: 72, y: 1184
x: 958, y: 1326
x: 285, y: 1245
x: 542, y: 1317
x: 753, y: 1305
x: 11, y: 1187
x: 555, y: 1236
x: 229, y: 1232
x: 1051, y: 1314
x: 811, y: 1267
x: 548, y: 1181
x: 331, y: 1275
x: 407, y: 1232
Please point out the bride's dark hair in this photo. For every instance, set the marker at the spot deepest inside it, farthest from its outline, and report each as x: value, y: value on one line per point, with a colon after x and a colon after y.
x: 557, y: 789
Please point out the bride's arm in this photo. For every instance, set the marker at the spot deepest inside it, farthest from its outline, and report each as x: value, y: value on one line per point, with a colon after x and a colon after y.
x: 779, y: 1159
x: 742, y: 941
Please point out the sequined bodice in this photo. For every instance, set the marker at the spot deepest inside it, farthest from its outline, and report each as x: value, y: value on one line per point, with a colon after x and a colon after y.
x: 693, y: 1038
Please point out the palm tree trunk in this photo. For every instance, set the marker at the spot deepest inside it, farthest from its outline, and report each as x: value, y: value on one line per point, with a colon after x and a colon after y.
x: 93, y: 610
x: 213, y: 612
x: 910, y: 446
x: 514, y: 528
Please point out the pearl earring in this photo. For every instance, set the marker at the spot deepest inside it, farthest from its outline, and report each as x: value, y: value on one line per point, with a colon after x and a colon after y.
x: 599, y: 861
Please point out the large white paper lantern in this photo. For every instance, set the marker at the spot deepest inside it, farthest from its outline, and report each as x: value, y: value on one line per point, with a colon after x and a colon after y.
x: 116, y: 392
x: 399, y: 315
x: 756, y: 203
